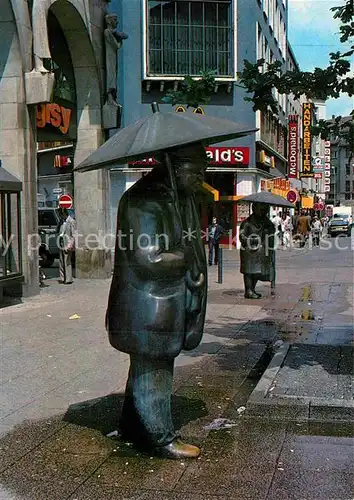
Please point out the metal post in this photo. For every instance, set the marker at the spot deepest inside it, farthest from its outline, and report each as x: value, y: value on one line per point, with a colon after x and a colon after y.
x: 220, y: 264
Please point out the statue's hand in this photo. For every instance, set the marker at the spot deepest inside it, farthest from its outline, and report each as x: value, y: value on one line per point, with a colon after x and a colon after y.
x: 193, y: 284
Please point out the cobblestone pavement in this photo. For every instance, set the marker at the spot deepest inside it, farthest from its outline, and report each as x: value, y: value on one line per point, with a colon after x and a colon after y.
x: 62, y: 389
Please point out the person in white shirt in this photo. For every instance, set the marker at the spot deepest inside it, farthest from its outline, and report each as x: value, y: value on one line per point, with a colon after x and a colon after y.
x: 278, y: 229
x: 286, y: 229
x: 316, y: 228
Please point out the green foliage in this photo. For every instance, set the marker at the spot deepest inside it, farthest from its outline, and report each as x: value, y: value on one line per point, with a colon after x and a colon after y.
x: 260, y: 79
x: 193, y: 93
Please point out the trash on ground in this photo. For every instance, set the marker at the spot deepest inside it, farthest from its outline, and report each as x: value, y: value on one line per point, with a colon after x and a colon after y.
x: 220, y: 423
x: 112, y: 434
x: 241, y: 409
x: 75, y: 316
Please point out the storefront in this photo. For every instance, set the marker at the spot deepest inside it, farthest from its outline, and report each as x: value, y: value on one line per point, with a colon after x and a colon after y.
x: 57, y: 124
x: 228, y: 178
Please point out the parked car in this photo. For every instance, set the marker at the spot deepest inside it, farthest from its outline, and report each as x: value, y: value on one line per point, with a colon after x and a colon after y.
x: 48, y: 220
x: 339, y: 225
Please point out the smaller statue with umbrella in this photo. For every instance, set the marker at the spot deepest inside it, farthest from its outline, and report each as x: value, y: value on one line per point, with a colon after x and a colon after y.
x: 257, y: 237
x: 158, y: 295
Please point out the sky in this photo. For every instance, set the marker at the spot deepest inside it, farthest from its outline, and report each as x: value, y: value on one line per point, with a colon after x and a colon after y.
x: 313, y: 34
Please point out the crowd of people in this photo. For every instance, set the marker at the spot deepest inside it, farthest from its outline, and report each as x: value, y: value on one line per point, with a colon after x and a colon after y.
x: 298, y: 228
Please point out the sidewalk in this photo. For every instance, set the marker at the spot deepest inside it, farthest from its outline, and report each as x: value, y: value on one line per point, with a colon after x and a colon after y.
x: 62, y: 388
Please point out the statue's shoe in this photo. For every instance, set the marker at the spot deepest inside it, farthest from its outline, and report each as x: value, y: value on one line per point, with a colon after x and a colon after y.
x: 177, y: 450
x: 252, y: 295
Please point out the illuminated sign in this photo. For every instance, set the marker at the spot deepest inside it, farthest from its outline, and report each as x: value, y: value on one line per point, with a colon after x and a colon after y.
x: 180, y: 109
x: 293, y: 148
x: 228, y: 156
x: 307, y: 168
x: 199, y: 111
x: 55, y: 115
x: 327, y: 156
x: 216, y: 156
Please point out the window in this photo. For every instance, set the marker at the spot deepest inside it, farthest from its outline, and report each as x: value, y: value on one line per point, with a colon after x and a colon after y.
x: 186, y: 37
x: 259, y: 42
x: 347, y: 170
x: 347, y: 153
x: 353, y: 186
x: 347, y: 196
x: 347, y: 186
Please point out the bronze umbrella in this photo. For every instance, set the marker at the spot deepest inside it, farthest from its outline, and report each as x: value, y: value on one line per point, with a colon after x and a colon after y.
x: 160, y: 132
x: 268, y: 199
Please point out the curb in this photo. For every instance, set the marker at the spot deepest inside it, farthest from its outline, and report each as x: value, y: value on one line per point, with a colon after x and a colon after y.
x: 288, y: 407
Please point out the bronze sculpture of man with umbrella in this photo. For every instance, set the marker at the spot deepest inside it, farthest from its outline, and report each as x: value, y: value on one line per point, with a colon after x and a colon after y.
x: 158, y: 294
x: 257, y: 254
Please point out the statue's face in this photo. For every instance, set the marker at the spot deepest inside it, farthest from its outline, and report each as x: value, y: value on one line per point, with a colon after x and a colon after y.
x: 112, y: 20
x: 260, y: 209
x: 190, y: 174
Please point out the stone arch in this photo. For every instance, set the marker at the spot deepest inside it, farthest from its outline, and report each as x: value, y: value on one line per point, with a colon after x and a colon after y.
x: 91, y: 189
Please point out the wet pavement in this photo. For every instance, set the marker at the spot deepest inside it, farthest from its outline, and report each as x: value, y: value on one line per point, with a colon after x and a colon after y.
x: 62, y: 390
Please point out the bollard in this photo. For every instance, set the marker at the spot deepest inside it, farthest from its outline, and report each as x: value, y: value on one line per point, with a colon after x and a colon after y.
x: 220, y: 264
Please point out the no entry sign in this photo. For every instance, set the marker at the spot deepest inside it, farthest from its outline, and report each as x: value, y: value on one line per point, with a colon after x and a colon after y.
x: 65, y: 201
x: 291, y: 196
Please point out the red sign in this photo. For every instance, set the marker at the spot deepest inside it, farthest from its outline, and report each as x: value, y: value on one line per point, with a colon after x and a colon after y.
x: 54, y: 115
x: 228, y: 156
x: 293, y: 148
x: 317, y: 175
x: 65, y: 201
x: 291, y: 196
x: 216, y: 156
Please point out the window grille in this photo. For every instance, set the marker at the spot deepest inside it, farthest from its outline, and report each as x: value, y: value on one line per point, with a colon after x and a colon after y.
x: 187, y: 37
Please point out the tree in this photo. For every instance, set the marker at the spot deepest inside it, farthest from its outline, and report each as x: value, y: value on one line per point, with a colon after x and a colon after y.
x: 193, y: 92
x: 259, y: 81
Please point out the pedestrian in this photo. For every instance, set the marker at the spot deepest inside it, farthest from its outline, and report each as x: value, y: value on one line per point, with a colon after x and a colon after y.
x: 277, y: 221
x: 257, y: 252
x: 286, y: 229
x: 316, y: 229
x: 66, y: 243
x: 157, y: 301
x: 215, y: 231
x: 303, y: 228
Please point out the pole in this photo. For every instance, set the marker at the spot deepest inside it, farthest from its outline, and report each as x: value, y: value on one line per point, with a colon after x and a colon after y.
x: 220, y: 266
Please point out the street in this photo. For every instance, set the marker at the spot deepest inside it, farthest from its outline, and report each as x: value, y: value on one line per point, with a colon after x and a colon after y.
x: 62, y: 388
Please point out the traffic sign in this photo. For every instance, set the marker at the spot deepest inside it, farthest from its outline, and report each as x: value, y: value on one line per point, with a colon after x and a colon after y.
x: 65, y: 201
x: 291, y: 196
x: 321, y: 205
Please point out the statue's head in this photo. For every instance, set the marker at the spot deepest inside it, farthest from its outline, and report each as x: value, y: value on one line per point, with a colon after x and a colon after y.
x: 111, y: 20
x: 190, y: 163
x: 260, y: 209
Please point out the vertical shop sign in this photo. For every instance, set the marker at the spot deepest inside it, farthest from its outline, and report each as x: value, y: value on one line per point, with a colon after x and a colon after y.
x: 307, y: 168
x: 293, y: 148
x: 327, y: 165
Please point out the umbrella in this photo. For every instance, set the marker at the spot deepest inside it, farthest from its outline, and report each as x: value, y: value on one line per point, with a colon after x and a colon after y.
x: 268, y: 199
x: 160, y: 132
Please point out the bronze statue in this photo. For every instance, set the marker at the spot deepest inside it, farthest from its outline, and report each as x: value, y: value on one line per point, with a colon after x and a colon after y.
x: 257, y: 252
x: 158, y: 295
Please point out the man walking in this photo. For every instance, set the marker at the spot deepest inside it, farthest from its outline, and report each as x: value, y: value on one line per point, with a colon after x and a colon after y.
x: 66, y: 247
x: 214, y: 234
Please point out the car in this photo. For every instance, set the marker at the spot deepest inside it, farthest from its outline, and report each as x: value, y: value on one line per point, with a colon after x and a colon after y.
x: 339, y: 225
x: 48, y: 221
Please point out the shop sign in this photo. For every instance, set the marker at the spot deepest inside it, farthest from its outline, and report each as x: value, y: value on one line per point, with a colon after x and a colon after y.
x: 293, y: 147
x: 317, y: 175
x: 327, y: 180
x: 307, y: 168
x: 267, y: 160
x: 243, y: 211
x: 291, y: 196
x: 216, y: 156
x: 318, y: 164
x: 228, y: 156
x: 327, y: 158
x: 327, y: 188
x: 55, y: 115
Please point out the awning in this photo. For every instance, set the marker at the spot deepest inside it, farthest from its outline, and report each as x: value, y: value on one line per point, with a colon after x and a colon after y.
x: 9, y: 182
x: 210, y: 190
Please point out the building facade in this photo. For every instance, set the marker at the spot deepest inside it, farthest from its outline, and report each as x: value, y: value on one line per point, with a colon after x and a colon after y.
x: 169, y: 40
x: 52, y: 95
x: 342, y: 168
